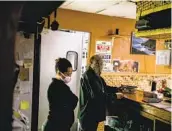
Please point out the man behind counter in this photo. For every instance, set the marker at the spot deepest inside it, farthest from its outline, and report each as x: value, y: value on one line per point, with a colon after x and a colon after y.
x: 93, y: 96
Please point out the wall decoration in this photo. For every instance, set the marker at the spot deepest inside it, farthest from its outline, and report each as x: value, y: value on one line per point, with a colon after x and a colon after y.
x: 107, y: 66
x: 103, y: 47
x: 168, y: 44
x: 24, y: 74
x: 24, y: 105
x: 20, y: 62
x: 24, y: 88
x: 142, y: 46
x: 125, y: 66
x: 28, y: 63
x: 85, y: 50
x: 24, y: 56
x: 163, y: 57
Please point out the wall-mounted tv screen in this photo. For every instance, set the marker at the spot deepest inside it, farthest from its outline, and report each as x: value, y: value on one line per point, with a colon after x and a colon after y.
x: 143, y: 46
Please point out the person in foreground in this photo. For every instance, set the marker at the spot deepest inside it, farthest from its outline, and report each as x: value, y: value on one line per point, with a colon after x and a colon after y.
x: 62, y: 101
x: 93, y: 96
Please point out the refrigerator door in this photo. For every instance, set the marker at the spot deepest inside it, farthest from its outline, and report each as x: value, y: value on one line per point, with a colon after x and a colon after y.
x: 55, y: 44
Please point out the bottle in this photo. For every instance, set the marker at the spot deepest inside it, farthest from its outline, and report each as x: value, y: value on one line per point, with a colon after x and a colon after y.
x: 153, y: 86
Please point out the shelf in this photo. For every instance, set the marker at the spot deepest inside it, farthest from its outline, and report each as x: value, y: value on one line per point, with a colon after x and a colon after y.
x: 119, y: 36
x: 155, y: 34
x: 153, y: 10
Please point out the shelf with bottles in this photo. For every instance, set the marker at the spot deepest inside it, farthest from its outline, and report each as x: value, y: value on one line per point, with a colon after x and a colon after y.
x: 148, y: 7
x: 155, y: 34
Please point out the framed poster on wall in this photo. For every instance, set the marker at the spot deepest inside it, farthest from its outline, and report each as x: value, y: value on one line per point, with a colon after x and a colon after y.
x: 142, y: 46
x: 125, y: 66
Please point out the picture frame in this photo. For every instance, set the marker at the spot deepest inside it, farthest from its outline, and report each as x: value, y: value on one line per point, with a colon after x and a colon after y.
x: 142, y: 46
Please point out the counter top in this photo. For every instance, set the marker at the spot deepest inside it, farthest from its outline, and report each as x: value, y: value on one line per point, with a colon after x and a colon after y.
x: 160, y: 110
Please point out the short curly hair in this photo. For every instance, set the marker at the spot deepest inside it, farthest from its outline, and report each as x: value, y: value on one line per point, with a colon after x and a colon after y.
x: 95, y: 58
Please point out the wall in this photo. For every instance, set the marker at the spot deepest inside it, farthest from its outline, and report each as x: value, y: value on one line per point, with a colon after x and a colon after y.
x: 24, y: 49
x: 147, y: 63
x: 98, y: 26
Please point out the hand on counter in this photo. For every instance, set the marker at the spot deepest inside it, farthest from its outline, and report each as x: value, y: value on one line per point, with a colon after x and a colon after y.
x: 119, y: 95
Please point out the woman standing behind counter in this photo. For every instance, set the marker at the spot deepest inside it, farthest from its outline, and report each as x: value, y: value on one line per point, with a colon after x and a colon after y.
x: 62, y: 101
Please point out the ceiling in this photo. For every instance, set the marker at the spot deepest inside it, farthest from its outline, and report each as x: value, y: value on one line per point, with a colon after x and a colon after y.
x: 33, y: 12
x: 118, y: 8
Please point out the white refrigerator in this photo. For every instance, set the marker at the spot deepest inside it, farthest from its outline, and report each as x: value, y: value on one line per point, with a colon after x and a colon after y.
x: 55, y: 44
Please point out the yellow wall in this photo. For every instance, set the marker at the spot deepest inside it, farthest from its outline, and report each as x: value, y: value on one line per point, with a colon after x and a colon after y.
x: 98, y: 26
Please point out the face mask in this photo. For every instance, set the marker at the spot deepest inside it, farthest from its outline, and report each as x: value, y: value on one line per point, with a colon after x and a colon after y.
x: 67, y: 79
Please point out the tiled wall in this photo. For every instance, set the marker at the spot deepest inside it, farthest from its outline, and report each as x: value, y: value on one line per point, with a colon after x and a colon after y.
x: 142, y: 81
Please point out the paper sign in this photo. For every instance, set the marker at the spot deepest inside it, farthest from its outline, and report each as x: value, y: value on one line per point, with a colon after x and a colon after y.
x: 163, y: 57
x: 25, y: 87
x: 24, y: 105
x: 107, y: 66
x: 103, y: 47
x: 24, y: 74
x: 16, y: 114
x: 27, y: 63
x: 20, y: 62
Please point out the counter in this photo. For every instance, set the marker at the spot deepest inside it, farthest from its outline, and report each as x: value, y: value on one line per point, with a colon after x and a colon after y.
x: 160, y: 110
x: 144, y: 116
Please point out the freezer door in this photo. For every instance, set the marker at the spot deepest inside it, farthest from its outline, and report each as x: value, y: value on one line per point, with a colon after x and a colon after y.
x: 55, y: 44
